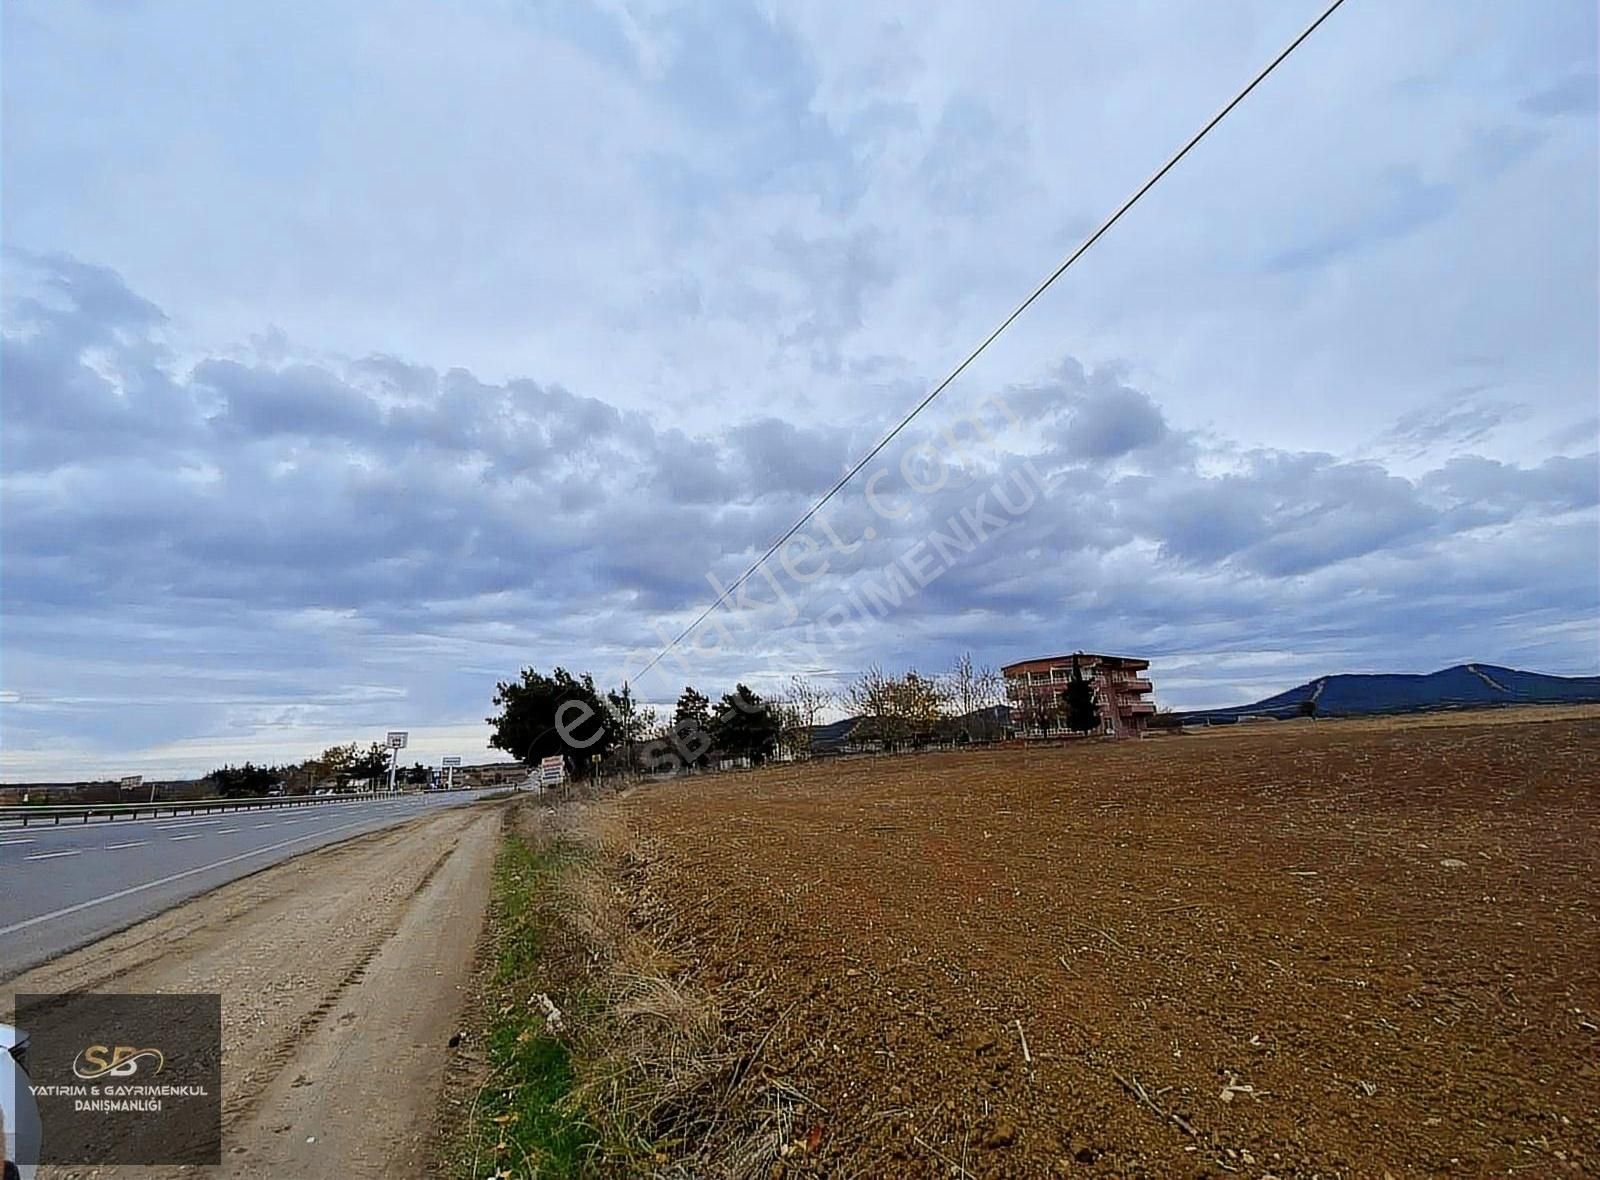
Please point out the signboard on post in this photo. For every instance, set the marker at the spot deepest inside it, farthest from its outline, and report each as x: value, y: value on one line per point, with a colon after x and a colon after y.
x: 396, y: 742
x: 132, y: 782
x: 552, y: 771
x: 450, y: 762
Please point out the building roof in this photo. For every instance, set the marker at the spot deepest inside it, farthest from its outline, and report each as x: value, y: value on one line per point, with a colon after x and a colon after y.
x: 1138, y: 661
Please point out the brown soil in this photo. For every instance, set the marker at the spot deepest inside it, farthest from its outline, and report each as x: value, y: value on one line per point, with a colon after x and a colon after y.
x: 1294, y: 951
x: 342, y: 974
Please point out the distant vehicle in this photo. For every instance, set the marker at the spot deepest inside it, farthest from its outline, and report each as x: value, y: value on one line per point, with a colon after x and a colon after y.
x: 18, y: 1114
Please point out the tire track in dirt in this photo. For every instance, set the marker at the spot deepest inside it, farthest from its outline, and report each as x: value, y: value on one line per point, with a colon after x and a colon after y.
x: 242, y: 1099
x: 341, y: 978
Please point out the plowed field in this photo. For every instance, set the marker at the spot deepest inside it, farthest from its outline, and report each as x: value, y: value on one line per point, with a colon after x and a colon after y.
x: 1326, y: 949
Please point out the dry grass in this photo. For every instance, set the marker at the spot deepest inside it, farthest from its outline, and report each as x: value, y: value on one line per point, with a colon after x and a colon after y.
x: 657, y: 1079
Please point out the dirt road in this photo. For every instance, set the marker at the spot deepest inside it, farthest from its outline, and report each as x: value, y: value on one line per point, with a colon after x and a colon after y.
x: 342, y: 975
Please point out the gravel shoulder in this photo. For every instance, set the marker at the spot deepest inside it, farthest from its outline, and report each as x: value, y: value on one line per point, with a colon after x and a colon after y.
x: 342, y: 975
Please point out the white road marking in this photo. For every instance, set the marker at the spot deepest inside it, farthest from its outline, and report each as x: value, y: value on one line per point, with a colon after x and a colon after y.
x: 224, y: 831
x: 24, y: 840
x: 50, y: 855
x: 191, y: 836
x: 188, y: 823
x: 132, y: 889
x: 273, y: 824
x: 130, y: 844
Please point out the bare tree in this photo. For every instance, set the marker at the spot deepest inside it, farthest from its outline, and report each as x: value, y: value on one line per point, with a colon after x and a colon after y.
x: 921, y: 705
x: 870, y: 698
x: 800, y: 711
x: 898, y: 710
x: 645, y: 724
x: 965, y: 692
x: 975, y: 691
x: 991, y: 694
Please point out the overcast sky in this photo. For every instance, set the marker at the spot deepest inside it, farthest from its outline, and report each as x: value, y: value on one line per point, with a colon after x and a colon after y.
x: 357, y: 355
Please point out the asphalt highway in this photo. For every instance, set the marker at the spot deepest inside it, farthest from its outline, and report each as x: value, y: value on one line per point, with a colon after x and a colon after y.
x: 62, y: 887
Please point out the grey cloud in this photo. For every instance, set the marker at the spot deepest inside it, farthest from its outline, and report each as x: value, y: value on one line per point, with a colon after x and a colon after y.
x: 1494, y: 490
x: 791, y: 213
x: 64, y: 286
x: 783, y: 457
x: 442, y: 510
x: 1111, y: 421
x: 394, y: 374
x: 973, y: 160
x: 1402, y: 203
x: 691, y: 471
x: 1461, y: 418
x: 836, y: 274
x: 1584, y: 432
x: 1287, y: 514
x: 1577, y: 93
x: 259, y: 402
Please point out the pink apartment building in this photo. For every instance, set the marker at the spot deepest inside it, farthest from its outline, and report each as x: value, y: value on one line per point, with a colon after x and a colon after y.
x: 1036, y: 691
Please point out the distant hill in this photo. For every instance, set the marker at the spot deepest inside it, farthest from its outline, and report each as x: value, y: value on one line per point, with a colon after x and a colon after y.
x: 832, y: 735
x: 1463, y: 686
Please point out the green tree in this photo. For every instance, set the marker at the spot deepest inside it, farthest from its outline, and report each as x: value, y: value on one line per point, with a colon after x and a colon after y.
x: 240, y: 781
x: 632, y: 723
x: 691, y: 727
x: 333, y: 766
x: 692, y: 709
x: 745, y: 726
x: 1082, y: 716
x: 543, y: 716
x: 371, y: 763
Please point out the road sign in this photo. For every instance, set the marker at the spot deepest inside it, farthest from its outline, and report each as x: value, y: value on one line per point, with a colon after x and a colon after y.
x: 450, y: 760
x: 132, y: 782
x: 552, y: 771
x: 396, y: 741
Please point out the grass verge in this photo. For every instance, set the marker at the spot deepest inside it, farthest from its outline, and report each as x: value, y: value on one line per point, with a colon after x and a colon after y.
x: 523, y: 1122
x: 635, y: 1073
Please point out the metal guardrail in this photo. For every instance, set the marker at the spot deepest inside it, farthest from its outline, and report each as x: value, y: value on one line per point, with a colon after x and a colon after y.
x: 29, y: 813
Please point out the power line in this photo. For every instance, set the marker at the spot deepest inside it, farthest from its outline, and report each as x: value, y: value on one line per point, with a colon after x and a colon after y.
x: 1082, y: 249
